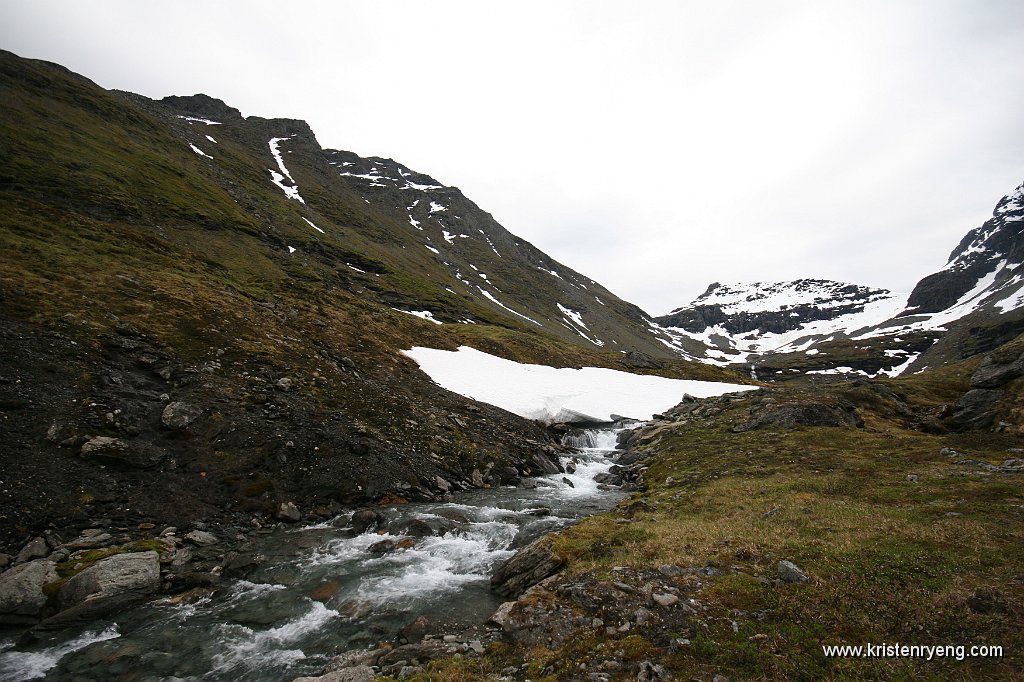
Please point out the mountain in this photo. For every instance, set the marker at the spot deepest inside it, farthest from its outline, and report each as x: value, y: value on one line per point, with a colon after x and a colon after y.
x: 201, y: 316
x: 787, y: 329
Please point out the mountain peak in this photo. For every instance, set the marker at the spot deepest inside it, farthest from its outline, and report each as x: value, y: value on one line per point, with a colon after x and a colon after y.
x: 202, y: 106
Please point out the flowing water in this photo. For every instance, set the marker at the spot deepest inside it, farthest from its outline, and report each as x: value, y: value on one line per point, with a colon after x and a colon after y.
x: 366, y: 587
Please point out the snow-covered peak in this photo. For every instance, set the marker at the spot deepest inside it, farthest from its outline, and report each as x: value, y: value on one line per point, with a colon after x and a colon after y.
x: 760, y: 297
x: 1011, y: 207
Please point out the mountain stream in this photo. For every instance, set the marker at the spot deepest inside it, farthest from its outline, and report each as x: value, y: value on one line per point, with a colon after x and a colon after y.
x: 323, y: 589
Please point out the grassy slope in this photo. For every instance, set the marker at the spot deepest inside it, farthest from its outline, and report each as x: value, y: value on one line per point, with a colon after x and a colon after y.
x: 103, y: 201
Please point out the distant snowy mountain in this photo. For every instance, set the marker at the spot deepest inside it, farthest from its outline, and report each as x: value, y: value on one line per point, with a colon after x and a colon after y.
x: 810, y: 326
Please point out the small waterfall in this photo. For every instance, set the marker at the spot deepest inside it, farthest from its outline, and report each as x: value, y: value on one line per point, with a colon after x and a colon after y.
x: 591, y: 439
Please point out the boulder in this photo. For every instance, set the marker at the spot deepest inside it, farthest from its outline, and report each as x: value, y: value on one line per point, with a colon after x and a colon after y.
x: 108, y: 586
x: 287, y: 511
x: 975, y: 410
x: 103, y: 446
x: 201, y: 538
x: 791, y: 573
x: 526, y: 568
x: 21, y: 592
x: 179, y: 414
x: 364, y: 520
x: 120, y: 453
x: 36, y: 549
x: 994, y: 372
x: 791, y: 415
x: 92, y: 541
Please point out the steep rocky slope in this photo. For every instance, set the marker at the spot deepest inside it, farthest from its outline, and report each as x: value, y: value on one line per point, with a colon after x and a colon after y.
x: 785, y: 329
x: 201, y: 316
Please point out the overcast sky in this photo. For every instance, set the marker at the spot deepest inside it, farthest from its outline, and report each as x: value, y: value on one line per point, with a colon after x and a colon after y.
x: 654, y: 146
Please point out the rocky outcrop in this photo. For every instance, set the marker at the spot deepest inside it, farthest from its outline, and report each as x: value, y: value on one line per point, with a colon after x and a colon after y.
x: 526, y: 568
x: 21, y: 592
x: 995, y: 371
x: 105, y: 588
x: 791, y: 415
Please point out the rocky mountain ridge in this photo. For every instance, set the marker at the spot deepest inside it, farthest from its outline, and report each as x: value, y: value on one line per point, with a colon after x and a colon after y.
x: 174, y: 255
x: 971, y: 306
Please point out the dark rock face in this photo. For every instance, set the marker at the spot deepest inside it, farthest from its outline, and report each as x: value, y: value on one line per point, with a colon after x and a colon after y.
x: 993, y: 372
x: 202, y: 106
x: 829, y: 300
x: 974, y: 410
x: 802, y: 414
x: 526, y: 568
x: 977, y: 255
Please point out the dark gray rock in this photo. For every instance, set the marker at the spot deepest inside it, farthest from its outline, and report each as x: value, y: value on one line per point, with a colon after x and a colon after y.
x: 364, y: 520
x: 791, y: 415
x: 994, y: 372
x: 106, y: 587
x: 791, y: 573
x: 120, y: 453
x: 526, y: 568
x: 974, y: 410
x: 91, y: 541
x: 21, y: 592
x: 179, y: 415
x: 287, y: 511
x: 103, y: 445
x: 201, y: 538
x: 36, y: 549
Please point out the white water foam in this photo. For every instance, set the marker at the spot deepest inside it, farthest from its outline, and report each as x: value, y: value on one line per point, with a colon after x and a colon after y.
x: 16, y: 666
x: 439, y: 564
x: 246, y: 649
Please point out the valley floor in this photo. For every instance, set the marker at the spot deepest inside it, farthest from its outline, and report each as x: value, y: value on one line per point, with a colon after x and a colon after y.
x: 896, y: 536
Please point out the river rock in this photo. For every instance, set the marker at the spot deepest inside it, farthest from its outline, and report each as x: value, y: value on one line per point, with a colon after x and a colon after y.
x: 364, y: 520
x: 526, y: 568
x: 36, y: 549
x: 21, y: 592
x: 416, y: 630
x: 503, y: 617
x: 108, y: 586
x: 93, y: 541
x: 201, y: 538
x: 179, y: 415
x: 287, y: 511
x: 359, y: 673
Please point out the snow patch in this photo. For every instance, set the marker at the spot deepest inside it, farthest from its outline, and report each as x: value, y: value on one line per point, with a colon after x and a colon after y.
x: 199, y: 151
x: 422, y: 314
x: 490, y: 297
x: 193, y: 119
x: 310, y: 222
x: 552, y: 395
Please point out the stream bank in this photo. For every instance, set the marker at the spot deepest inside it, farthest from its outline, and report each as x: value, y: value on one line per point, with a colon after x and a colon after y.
x: 392, y: 574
